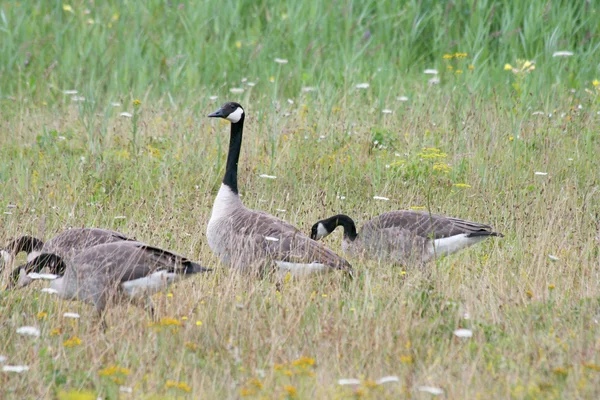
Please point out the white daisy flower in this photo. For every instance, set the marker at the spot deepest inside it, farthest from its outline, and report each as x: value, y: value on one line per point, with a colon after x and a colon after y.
x: 308, y: 89
x: 562, y: 53
x: 267, y: 176
x: 553, y: 257
x: 380, y: 198
x: 236, y: 90
x: 71, y: 315
x: 541, y: 173
x: 70, y: 91
x: 430, y: 71
x: 430, y: 389
x: 387, y: 379
x: 362, y: 86
x: 28, y: 331
x: 349, y: 381
x: 463, y: 333
x: 281, y: 61
x: 15, y: 368
x: 402, y: 98
x: 126, y: 115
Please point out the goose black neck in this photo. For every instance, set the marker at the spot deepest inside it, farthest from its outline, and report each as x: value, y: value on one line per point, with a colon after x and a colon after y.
x: 27, y: 244
x: 235, y: 144
x: 347, y: 223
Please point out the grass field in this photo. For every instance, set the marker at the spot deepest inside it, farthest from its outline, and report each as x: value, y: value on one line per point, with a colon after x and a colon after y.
x: 349, y: 116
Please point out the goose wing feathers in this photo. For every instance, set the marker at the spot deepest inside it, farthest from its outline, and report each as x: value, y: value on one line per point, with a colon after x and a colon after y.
x: 280, y: 241
x: 423, y: 224
x: 128, y: 260
x: 72, y: 241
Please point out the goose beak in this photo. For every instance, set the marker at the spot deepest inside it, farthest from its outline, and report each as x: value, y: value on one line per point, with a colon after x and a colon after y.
x: 217, y: 114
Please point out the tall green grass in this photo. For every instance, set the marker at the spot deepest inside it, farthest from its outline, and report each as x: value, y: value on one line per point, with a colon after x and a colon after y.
x: 189, y: 50
x: 66, y: 162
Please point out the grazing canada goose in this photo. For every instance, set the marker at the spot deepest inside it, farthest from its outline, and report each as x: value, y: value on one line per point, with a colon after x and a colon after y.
x: 65, y: 245
x: 112, y: 272
x: 254, y: 241
x: 405, y: 237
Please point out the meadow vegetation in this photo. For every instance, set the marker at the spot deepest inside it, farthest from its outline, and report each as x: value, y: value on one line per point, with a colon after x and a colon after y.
x: 344, y: 114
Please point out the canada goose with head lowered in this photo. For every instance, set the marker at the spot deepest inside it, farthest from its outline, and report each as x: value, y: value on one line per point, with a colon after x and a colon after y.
x: 112, y: 272
x: 405, y: 237
x: 65, y: 245
x: 254, y: 241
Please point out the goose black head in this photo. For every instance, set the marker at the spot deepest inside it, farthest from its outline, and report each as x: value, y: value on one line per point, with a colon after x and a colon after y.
x: 230, y: 111
x: 322, y: 229
x: 325, y: 226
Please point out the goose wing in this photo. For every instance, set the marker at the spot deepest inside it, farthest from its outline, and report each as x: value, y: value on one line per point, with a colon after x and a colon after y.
x: 70, y: 242
x: 281, y: 241
x: 432, y: 226
x: 128, y: 260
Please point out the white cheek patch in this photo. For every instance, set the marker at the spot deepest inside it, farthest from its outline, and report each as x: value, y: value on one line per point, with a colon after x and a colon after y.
x: 6, y: 256
x: 33, y: 255
x: 236, y: 115
x: 321, y: 231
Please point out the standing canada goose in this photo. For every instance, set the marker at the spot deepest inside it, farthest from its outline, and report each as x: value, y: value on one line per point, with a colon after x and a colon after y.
x: 254, y: 241
x: 113, y: 272
x: 405, y: 237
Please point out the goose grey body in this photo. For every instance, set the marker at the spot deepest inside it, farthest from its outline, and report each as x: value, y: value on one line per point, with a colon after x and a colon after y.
x: 66, y: 244
x: 254, y: 241
x: 405, y: 237
x: 116, y: 271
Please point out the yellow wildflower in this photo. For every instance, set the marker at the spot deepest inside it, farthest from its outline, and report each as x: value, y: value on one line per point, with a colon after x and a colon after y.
x: 137, y: 102
x: 169, y: 294
x: 370, y: 383
x: 462, y: 185
x: 67, y: 8
x: 416, y: 208
x: 442, y: 167
x: 406, y: 359
x: 449, y: 67
x: 304, y: 361
x: 114, y: 370
x: 508, y: 67
x: 460, y: 55
x: 551, y: 286
x: 458, y: 71
x: 245, y: 392
x: 198, y: 323
x: 178, y: 385
x: 72, y: 342
x: 560, y: 371
x: 55, y: 332
x: 595, y: 367
x: 256, y: 383
x: 595, y: 82
x: 191, y: 346
x: 471, y: 67
x: 42, y: 314
x: 290, y: 390
x: 272, y: 79
x: 511, y: 138
x: 529, y: 294
x: 76, y: 395
x: 238, y: 44
x: 448, y: 56
x: 526, y: 64
x: 115, y: 17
